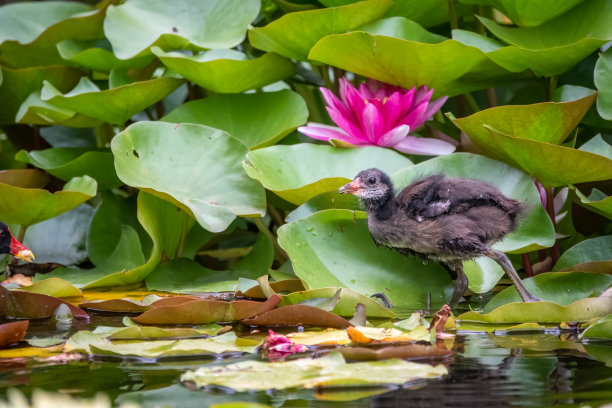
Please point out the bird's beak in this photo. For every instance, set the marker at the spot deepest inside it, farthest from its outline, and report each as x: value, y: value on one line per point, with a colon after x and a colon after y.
x: 351, y: 188
x: 20, y: 251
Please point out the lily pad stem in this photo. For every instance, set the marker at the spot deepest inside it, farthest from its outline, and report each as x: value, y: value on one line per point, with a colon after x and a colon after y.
x: 452, y: 14
x: 472, y: 102
x: 552, y: 87
x: 527, y: 265
x: 550, y: 209
x: 279, y: 253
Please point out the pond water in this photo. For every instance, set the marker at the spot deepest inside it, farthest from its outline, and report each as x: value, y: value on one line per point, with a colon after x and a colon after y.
x: 486, y: 370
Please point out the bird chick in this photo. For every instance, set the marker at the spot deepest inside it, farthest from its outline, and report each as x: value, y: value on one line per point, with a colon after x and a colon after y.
x: 9, y: 245
x: 445, y: 219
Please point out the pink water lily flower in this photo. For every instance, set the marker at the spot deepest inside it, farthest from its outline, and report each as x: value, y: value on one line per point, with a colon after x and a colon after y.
x: 382, y: 115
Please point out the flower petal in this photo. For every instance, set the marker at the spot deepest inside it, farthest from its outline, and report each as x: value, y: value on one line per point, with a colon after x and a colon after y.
x: 415, y: 117
x: 391, y: 110
x: 336, y: 104
x: 344, y: 84
x: 394, y: 136
x: 352, y: 128
x: 434, y: 107
x: 373, y: 123
x: 365, y: 92
x: 425, y: 146
x: 320, y: 131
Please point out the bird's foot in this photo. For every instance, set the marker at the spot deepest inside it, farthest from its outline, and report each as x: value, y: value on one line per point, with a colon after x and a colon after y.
x: 384, y: 299
x: 529, y: 298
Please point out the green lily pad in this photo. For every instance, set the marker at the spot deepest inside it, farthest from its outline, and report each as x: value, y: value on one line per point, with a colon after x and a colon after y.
x: 114, y: 105
x: 66, y: 163
x: 150, y: 332
x: 227, y: 71
x: 594, y: 249
x: 401, y: 27
x: 543, y: 312
x: 535, y: 231
x: 325, y: 201
x: 549, y: 122
x: 603, y: 82
x: 527, y: 13
x: 97, y: 344
x: 527, y: 155
x: 333, y: 248
x: 97, y: 55
x: 392, y: 60
x: 187, y: 276
x: 257, y: 120
x: 53, y: 287
x: 347, y: 302
x: 194, y: 166
x: 292, y: 171
x: 562, y: 288
x: 25, y: 204
x: 135, y: 26
x: 597, y: 202
x: 329, y: 371
x: 294, y: 34
x: 600, y: 329
x: 18, y: 84
x: 29, y: 30
x: 38, y: 112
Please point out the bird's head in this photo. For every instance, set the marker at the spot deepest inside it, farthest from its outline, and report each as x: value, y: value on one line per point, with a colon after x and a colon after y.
x: 9, y: 245
x: 371, y: 185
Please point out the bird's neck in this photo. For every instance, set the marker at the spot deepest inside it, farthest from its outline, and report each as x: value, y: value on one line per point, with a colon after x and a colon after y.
x: 382, y: 207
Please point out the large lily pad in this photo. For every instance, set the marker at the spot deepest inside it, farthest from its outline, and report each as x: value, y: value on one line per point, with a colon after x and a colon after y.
x: 227, y: 71
x: 26, y: 204
x: 114, y: 105
x: 66, y: 163
x: 331, y: 370
x: 562, y: 288
x: 18, y: 84
x: 38, y: 112
x: 299, y: 172
x: 257, y: 120
x: 544, y: 312
x: 527, y: 13
x: 194, y: 166
x: 16, y: 304
x: 294, y: 34
x: 97, y: 55
x: 53, y: 287
x: 527, y: 155
x: 334, y: 248
x: 187, y: 276
x: 297, y: 315
x: 135, y: 26
x: 590, y: 250
x: 597, y: 202
x: 601, y: 329
x: 549, y: 122
x: 450, y: 67
x: 30, y: 30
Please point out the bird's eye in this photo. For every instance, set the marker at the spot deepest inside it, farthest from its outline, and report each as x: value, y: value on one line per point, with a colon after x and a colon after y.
x: 372, y: 180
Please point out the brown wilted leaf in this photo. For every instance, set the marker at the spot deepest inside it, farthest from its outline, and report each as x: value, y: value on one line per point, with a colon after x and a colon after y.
x: 11, y: 333
x: 24, y: 305
x: 298, y: 315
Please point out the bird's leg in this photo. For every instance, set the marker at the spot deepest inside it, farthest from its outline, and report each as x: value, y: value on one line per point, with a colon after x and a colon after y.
x: 383, y: 298
x: 461, y: 283
x: 506, y: 265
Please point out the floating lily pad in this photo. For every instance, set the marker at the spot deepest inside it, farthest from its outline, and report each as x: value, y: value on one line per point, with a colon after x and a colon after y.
x: 257, y: 120
x: 53, y: 287
x: 25, y: 204
x: 15, y: 304
x: 328, y: 371
x: 346, y: 304
x: 113, y: 105
x: 97, y: 344
x: 135, y: 306
x: 333, y: 248
x: 297, y: 315
x: 147, y: 332
x: 29, y: 31
x: 590, y: 250
x: 18, y: 84
x: 601, y: 329
x: 526, y: 13
x: 97, y: 55
x: 11, y: 333
x: 294, y: 34
x: 392, y: 60
x: 135, y: 26
x: 227, y: 71
x: 287, y: 285
x: 35, y: 111
x: 603, y: 82
x: 194, y: 166
x: 187, y: 276
x: 206, y: 311
x: 561, y: 288
x: 543, y: 312
x: 67, y: 162
x: 299, y: 172
x: 401, y: 27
